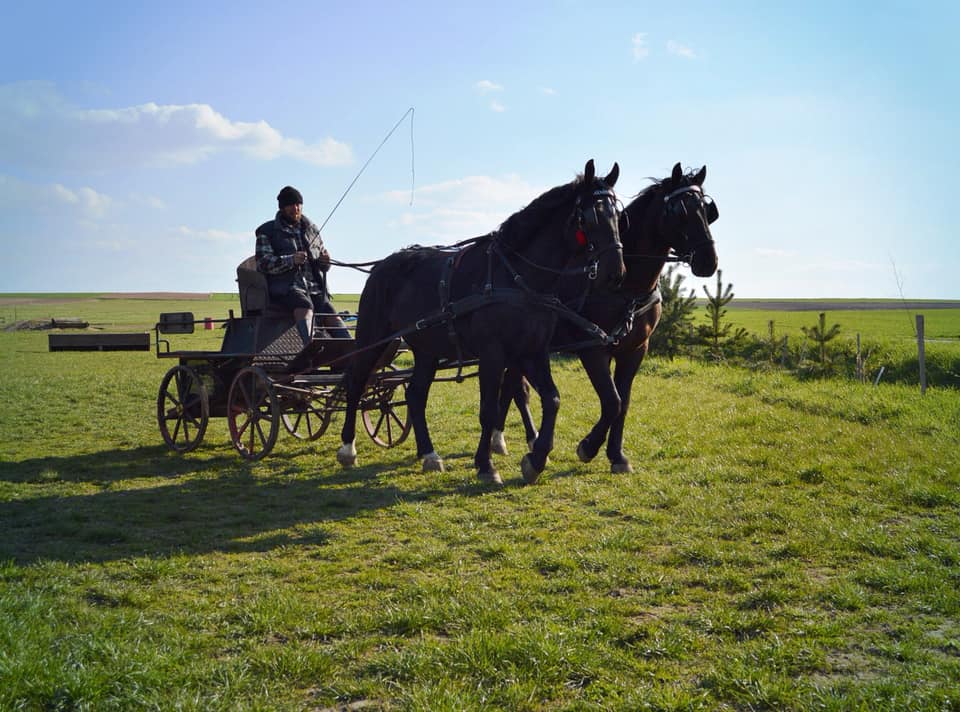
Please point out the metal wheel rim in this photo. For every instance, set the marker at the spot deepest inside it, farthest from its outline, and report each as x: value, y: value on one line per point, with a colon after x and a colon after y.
x: 309, y: 423
x: 382, y: 419
x: 253, y: 413
x: 179, y: 406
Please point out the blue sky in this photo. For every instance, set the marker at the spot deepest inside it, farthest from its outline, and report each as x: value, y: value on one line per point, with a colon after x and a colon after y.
x: 142, y: 143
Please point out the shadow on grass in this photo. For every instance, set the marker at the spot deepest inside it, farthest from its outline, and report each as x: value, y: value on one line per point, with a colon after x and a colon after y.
x: 225, y: 507
x: 110, y: 466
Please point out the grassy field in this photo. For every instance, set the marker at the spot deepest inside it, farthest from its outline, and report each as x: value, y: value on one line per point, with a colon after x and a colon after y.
x: 782, y: 545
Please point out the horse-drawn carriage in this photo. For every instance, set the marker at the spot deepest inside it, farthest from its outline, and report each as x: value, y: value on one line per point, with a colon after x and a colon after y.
x: 491, y: 301
x: 262, y: 377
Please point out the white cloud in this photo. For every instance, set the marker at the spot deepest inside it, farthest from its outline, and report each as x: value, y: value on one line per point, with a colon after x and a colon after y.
x: 497, y: 107
x: 485, y: 86
x: 548, y: 91
x: 680, y: 50
x: 466, y: 207
x: 83, y: 201
x: 772, y: 252
x: 37, y: 124
x: 640, y: 48
x: 214, y: 235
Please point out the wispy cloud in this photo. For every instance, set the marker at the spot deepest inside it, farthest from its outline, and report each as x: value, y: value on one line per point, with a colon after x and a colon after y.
x: 548, y: 91
x: 213, y: 235
x: 775, y: 253
x: 453, y: 210
x: 640, y: 48
x: 37, y: 123
x: 497, y: 107
x: 485, y: 86
x: 83, y: 201
x: 681, y: 50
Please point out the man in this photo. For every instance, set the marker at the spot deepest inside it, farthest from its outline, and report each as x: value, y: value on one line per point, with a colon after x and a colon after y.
x: 290, y: 252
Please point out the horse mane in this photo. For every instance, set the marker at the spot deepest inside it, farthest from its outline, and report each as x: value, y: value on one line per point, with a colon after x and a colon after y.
x: 638, y: 204
x: 517, y: 230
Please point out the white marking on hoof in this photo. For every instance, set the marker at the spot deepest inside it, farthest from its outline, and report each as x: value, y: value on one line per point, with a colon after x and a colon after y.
x: 347, y: 455
x: 432, y: 462
x: 530, y: 474
x: 497, y: 443
x: 582, y: 454
x: 531, y: 441
x: 490, y: 477
x: 619, y: 468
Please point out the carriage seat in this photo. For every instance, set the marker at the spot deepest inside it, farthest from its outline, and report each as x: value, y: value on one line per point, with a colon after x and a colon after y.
x: 254, y: 294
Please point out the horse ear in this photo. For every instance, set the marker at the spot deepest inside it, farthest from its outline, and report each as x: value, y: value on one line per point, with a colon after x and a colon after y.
x: 700, y: 177
x: 589, y: 172
x: 677, y: 174
x: 611, y: 179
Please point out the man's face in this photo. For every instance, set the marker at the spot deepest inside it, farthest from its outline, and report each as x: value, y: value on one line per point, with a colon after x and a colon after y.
x: 292, y: 212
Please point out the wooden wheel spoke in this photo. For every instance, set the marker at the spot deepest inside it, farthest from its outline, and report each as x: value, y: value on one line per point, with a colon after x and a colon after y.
x: 183, y: 403
x: 253, y: 413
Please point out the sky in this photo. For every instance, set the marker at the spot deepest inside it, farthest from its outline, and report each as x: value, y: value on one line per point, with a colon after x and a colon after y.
x: 141, y: 144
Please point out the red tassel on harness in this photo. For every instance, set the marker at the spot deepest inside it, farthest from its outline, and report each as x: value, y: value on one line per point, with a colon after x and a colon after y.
x: 581, y: 238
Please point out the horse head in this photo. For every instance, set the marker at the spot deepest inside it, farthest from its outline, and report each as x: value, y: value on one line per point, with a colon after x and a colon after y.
x: 685, y: 218
x: 593, y: 233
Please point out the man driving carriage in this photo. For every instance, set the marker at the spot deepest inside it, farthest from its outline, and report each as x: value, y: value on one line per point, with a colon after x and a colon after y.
x: 290, y: 252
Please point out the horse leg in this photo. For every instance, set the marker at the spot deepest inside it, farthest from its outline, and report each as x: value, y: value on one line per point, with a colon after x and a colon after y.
x: 418, y: 389
x: 540, y: 377
x: 491, y: 377
x: 354, y: 382
x: 596, y: 362
x: 514, y: 388
x: 624, y: 373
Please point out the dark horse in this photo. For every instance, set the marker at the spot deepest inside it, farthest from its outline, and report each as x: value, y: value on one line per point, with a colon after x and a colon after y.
x: 486, y: 300
x: 671, y: 216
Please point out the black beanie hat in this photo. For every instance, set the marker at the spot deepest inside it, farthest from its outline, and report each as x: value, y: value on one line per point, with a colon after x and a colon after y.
x: 289, y: 196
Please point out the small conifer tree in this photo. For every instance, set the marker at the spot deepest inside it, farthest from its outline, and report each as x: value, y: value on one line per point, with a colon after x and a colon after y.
x: 717, y: 333
x: 676, y: 316
x: 821, y: 335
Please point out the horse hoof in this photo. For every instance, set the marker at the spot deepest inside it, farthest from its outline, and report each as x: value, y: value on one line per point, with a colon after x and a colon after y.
x: 530, y: 473
x: 583, y: 454
x: 619, y: 468
x: 347, y: 455
x: 432, y: 463
x: 490, y: 477
x: 498, y: 444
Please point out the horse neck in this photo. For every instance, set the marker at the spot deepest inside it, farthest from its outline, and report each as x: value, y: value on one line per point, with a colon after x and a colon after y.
x: 642, y: 240
x: 541, y: 251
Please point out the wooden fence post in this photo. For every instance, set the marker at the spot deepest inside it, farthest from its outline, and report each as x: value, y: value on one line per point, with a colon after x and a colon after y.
x: 861, y: 374
x: 921, y: 355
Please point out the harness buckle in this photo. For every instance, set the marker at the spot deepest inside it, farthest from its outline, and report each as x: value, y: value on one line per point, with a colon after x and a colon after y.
x: 592, y: 270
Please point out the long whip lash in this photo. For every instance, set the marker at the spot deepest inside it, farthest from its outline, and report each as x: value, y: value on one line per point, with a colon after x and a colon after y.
x: 386, y: 138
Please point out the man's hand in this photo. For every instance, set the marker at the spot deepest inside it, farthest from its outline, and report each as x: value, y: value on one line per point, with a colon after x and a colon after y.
x: 299, y: 258
x: 323, y: 261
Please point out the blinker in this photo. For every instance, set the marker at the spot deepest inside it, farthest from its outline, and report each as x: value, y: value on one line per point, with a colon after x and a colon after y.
x: 712, y: 212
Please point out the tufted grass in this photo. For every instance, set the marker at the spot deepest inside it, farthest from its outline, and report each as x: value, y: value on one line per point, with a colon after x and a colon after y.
x: 782, y: 545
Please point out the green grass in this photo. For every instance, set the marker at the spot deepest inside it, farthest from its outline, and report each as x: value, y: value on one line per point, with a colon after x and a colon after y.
x: 781, y: 545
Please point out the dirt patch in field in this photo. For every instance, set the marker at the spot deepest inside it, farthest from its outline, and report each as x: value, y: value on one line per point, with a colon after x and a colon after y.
x: 63, y: 299
x: 852, y: 305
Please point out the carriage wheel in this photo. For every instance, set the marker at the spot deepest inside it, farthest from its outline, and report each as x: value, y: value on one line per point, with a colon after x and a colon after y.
x: 385, y: 417
x: 253, y: 413
x: 183, y: 409
x: 308, y: 419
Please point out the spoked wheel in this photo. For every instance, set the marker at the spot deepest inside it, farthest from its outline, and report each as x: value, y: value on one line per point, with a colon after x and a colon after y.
x: 183, y: 409
x: 385, y: 416
x: 307, y: 418
x: 253, y: 413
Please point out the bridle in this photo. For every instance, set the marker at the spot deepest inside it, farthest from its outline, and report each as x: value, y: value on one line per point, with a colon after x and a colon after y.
x: 603, y: 206
x: 674, y: 206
